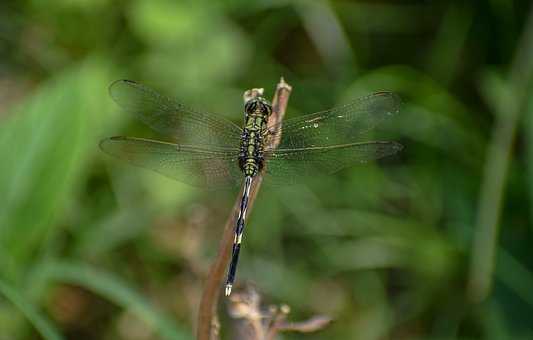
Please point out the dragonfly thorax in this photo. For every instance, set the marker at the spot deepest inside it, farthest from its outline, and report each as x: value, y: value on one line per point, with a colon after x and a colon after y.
x: 256, y: 113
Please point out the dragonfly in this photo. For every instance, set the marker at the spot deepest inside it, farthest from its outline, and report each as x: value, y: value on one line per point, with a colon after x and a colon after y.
x: 207, y: 150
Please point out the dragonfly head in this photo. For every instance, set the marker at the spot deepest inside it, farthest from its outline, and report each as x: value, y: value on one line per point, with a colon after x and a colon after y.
x: 258, y: 106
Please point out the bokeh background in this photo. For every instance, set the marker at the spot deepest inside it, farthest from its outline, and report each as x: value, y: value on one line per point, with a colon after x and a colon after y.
x: 434, y: 243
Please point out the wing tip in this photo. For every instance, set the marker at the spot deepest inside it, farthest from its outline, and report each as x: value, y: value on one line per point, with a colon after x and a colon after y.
x: 397, y: 146
x: 395, y: 98
x: 113, y: 86
x: 393, y: 147
x: 104, y: 143
x: 123, y: 81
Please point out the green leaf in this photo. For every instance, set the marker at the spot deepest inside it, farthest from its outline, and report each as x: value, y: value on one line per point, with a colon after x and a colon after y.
x: 44, y: 146
x: 39, y: 321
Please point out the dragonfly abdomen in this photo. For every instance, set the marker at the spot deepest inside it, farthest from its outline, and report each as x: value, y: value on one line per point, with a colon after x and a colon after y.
x: 251, y: 156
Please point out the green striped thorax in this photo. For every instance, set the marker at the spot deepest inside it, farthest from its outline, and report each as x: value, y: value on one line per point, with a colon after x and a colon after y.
x: 256, y: 113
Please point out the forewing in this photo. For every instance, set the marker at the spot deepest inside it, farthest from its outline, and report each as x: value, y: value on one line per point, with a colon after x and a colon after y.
x: 203, y: 167
x: 172, y: 119
x: 341, y: 125
x: 286, y: 166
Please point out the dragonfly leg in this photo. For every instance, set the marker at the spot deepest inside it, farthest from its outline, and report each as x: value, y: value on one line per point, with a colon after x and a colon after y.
x: 239, y: 229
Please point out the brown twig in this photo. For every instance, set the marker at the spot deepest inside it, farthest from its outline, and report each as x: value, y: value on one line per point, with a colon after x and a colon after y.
x: 208, y: 305
x: 312, y: 324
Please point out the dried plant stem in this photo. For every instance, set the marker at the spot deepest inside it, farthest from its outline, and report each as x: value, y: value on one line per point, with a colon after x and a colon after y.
x: 259, y: 323
x: 207, y: 323
x: 313, y: 324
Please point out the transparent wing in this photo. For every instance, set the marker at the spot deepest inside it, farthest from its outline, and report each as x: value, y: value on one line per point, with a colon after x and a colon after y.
x: 172, y: 119
x: 204, y: 167
x: 286, y: 166
x: 342, y: 125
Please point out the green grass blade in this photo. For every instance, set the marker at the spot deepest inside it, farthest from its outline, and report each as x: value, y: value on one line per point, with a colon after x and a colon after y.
x: 515, y: 275
x: 39, y: 321
x: 112, y: 288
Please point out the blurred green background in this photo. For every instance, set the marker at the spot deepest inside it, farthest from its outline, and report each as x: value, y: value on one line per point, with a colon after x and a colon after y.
x: 434, y: 243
